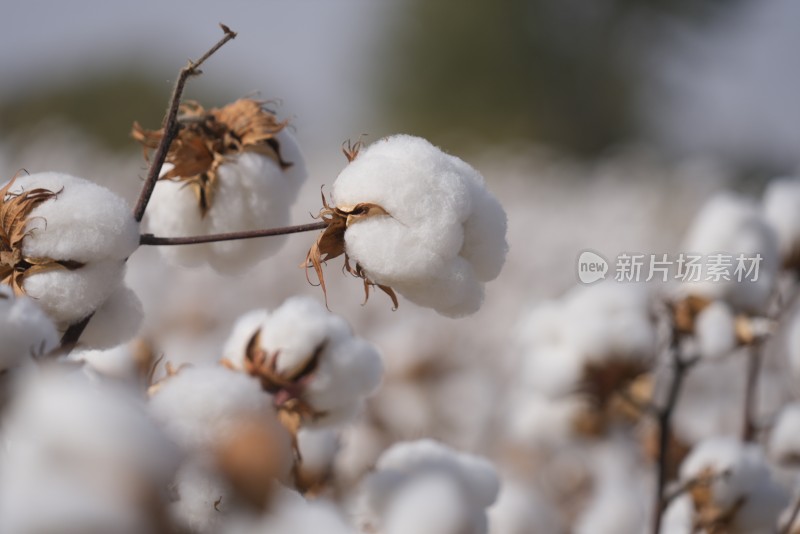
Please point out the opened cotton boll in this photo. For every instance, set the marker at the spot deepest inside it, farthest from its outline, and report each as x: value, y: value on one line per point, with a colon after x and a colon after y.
x: 780, y: 205
x: 230, y: 169
x: 715, y: 330
x: 68, y: 243
x: 411, y: 478
x: 731, y: 233
x: 308, y: 358
x: 784, y: 438
x: 520, y: 509
x: 292, y: 514
x: 25, y: 330
x: 418, y: 221
x: 318, y: 448
x: 733, y: 486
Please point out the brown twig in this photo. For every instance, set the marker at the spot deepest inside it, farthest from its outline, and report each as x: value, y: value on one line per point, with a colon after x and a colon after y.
x: 150, y: 239
x: 664, y: 418
x: 71, y: 337
x: 171, y: 124
x: 754, y: 359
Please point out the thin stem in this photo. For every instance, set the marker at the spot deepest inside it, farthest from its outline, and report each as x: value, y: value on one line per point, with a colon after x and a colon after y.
x: 749, y: 426
x: 150, y: 239
x: 681, y: 366
x: 71, y: 337
x: 171, y: 124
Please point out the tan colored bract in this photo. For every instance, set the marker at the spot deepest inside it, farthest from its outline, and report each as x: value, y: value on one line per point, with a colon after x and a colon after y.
x: 207, y: 138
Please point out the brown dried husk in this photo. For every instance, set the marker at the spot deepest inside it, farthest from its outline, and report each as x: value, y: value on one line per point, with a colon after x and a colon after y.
x: 207, y: 138
x: 710, y: 517
x: 15, y: 209
x: 330, y: 244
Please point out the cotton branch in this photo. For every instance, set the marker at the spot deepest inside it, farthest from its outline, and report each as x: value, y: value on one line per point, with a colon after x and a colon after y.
x: 171, y: 124
x: 150, y: 239
x: 680, y: 366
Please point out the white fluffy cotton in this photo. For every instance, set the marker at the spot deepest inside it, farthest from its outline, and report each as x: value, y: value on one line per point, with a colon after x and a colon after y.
x: 444, y: 236
x: 84, y: 223
x: 252, y: 193
x: 784, y: 439
x: 348, y: 367
x: 590, y: 324
x: 424, y: 486
x: 733, y: 225
x: 781, y: 205
x: 740, y: 472
x: 715, y: 330
x: 25, y: 330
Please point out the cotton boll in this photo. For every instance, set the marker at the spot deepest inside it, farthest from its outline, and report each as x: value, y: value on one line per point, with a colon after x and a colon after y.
x: 739, y: 473
x: 678, y: 517
x: 444, y: 235
x: 243, y: 331
x: 85, y: 233
x: 203, y: 499
x: 251, y: 192
x: 732, y: 225
x: 294, y: 515
x: 199, y: 406
x: 541, y: 420
x: 116, y: 321
x: 715, y: 329
x: 118, y: 363
x: 430, y: 504
x: 24, y: 329
x: 784, y: 440
x: 521, y: 510
x: 318, y: 449
x: 780, y: 202
x: 336, y: 369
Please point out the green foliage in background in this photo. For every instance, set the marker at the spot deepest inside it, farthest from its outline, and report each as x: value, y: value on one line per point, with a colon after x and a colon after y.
x: 564, y: 72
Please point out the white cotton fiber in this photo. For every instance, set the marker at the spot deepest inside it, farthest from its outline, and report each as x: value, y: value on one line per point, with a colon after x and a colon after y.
x: 444, y: 236
x: 781, y: 205
x: 116, y: 321
x: 784, y: 439
x: 733, y: 225
x: 715, y: 330
x: 252, y: 192
x: 25, y: 330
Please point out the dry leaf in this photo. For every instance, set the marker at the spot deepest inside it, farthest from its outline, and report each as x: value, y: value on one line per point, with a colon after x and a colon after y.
x: 14, y: 211
x: 206, y: 138
x: 330, y: 244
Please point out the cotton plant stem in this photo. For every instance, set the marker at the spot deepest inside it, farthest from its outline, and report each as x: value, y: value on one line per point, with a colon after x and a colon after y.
x: 754, y: 360
x: 664, y: 419
x: 150, y: 239
x: 171, y: 124
x: 71, y: 337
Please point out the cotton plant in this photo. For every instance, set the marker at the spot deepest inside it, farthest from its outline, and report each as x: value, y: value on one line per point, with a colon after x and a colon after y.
x: 308, y: 358
x: 229, y: 169
x: 68, y: 258
x: 411, y: 219
x: 426, y: 487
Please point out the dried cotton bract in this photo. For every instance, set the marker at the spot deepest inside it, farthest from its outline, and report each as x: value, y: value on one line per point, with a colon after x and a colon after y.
x: 229, y: 169
x: 308, y: 358
x: 67, y: 247
x: 418, y: 221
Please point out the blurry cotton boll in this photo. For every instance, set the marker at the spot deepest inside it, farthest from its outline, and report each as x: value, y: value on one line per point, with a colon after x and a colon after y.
x: 734, y: 226
x: 116, y: 321
x: 249, y: 185
x: 784, y: 439
x: 128, y: 363
x: 82, y: 457
x: 781, y: 205
x: 318, y: 448
x: 521, y: 510
x: 292, y: 514
x: 733, y: 486
x: 77, y: 240
x: 303, y: 352
x: 715, y: 330
x: 25, y: 330
x: 424, y: 486
x: 437, y: 234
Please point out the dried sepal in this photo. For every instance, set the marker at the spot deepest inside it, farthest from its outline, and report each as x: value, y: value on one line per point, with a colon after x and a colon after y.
x: 351, y: 149
x: 206, y: 138
x: 15, y: 209
x: 330, y: 244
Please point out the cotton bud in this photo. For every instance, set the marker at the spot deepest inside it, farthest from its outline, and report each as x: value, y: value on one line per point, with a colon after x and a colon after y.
x: 308, y: 358
x: 229, y: 169
x: 734, y: 227
x: 780, y: 204
x: 731, y: 487
x: 417, y: 221
x: 65, y: 243
x: 428, y: 488
x: 784, y: 440
x: 25, y: 330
